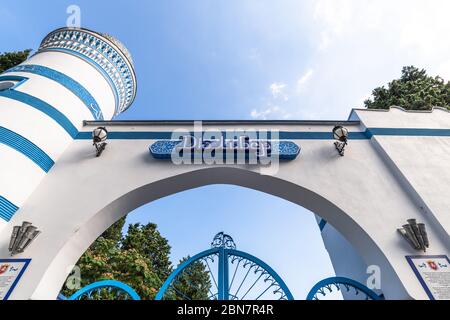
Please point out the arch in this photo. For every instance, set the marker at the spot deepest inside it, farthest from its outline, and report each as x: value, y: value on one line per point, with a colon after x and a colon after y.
x: 225, y: 252
x: 229, y: 175
x: 336, y: 281
x: 109, y: 284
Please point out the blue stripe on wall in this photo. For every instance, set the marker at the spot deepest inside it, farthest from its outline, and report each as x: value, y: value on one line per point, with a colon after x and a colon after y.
x: 408, y: 132
x: 95, y: 65
x: 168, y: 135
x: 66, y: 81
x: 368, y: 134
x: 7, y: 209
x: 44, y: 107
x: 27, y: 148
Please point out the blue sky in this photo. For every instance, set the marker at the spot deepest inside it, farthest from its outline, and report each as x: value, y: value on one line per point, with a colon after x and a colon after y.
x: 250, y: 60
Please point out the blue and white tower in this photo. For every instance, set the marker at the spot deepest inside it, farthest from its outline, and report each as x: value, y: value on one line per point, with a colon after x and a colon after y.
x: 76, y: 75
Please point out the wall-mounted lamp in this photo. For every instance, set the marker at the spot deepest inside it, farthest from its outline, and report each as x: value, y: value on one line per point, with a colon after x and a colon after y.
x: 341, y: 135
x: 416, y: 235
x: 22, y: 237
x: 99, y: 137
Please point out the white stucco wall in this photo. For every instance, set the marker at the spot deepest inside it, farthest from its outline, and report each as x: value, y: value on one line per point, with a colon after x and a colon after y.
x: 360, y: 195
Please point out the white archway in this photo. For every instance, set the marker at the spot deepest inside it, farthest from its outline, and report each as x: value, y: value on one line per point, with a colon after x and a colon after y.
x: 365, y: 195
x: 312, y: 201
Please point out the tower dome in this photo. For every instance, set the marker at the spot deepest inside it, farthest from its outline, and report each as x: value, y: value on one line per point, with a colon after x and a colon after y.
x: 104, y: 52
x: 120, y: 45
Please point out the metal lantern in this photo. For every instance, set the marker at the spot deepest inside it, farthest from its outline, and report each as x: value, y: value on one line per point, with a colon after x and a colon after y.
x: 99, y: 137
x: 341, y: 135
x: 415, y: 234
x: 22, y: 237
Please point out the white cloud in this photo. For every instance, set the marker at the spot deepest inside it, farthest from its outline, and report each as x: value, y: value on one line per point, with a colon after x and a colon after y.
x: 271, y: 112
x: 277, y: 90
x: 350, y: 47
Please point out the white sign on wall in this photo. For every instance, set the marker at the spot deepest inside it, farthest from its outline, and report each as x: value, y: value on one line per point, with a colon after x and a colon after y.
x: 11, y: 270
x: 433, y: 273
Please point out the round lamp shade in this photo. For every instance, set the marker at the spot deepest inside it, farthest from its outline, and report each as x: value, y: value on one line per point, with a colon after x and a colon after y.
x: 100, y: 134
x: 340, y: 133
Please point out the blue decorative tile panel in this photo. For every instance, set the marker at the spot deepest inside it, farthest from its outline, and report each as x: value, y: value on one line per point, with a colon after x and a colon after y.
x: 102, y: 51
x: 286, y: 150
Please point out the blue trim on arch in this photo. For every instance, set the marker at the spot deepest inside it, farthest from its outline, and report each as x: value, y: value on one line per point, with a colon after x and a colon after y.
x: 66, y: 81
x: 27, y: 148
x: 141, y: 135
x: 95, y: 65
x: 128, y: 135
x: 7, y: 209
x: 44, y: 107
x: 105, y: 284
x: 342, y: 280
x: 285, y: 135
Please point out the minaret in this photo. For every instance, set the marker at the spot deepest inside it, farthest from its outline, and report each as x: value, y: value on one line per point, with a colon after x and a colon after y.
x: 76, y: 75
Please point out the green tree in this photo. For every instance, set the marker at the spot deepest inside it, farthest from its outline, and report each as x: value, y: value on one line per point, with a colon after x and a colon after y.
x: 140, y: 258
x: 147, y: 240
x: 108, y: 259
x: 194, y: 282
x: 415, y: 90
x: 12, y: 59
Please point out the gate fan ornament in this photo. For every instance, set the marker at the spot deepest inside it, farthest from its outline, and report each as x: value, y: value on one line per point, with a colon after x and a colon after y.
x: 222, y: 240
x: 233, y: 275
x: 351, y: 288
x: 106, y: 290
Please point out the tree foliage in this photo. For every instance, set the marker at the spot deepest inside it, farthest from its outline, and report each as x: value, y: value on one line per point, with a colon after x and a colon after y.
x: 148, y: 241
x: 12, y: 59
x: 415, y: 90
x: 140, y: 258
x: 194, y: 282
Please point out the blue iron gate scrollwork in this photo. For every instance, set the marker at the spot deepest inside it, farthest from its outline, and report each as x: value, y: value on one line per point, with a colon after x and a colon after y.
x: 235, y: 275
x: 109, y: 288
x: 344, y: 285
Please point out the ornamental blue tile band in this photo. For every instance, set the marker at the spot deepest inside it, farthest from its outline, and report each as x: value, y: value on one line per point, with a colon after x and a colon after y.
x: 163, y: 149
x: 27, y: 148
x: 66, y: 81
x: 102, y: 51
x: 7, y: 209
x: 44, y: 107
